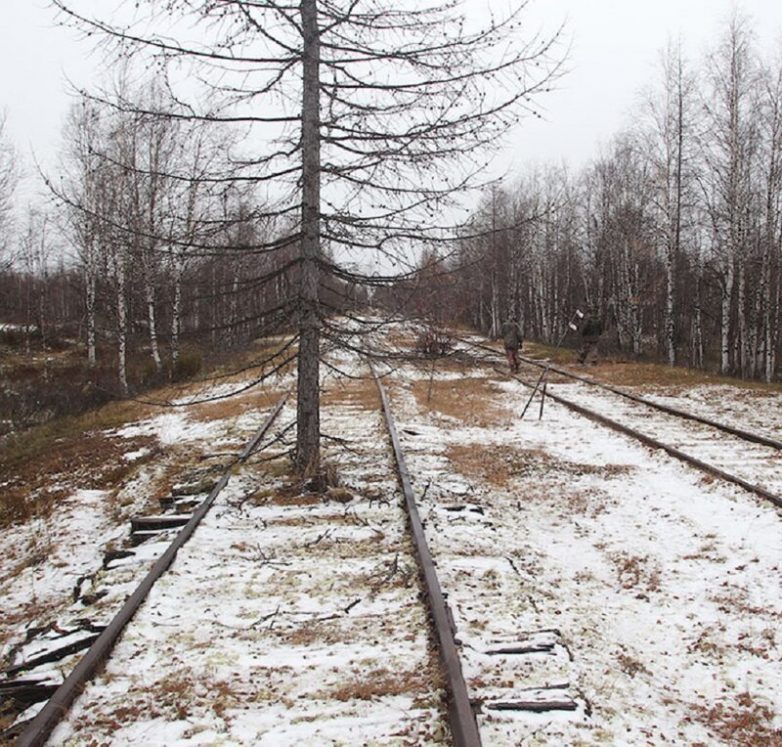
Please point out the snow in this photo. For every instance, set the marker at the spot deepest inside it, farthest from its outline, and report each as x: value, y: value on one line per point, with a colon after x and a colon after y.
x: 292, y: 619
x: 665, y: 587
x: 296, y: 612
x: 174, y: 427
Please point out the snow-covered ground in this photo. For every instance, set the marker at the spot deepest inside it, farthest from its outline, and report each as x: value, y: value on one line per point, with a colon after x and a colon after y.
x: 665, y: 586
x: 293, y: 618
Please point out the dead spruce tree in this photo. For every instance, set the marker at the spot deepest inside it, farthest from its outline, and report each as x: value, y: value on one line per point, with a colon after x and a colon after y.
x: 363, y: 120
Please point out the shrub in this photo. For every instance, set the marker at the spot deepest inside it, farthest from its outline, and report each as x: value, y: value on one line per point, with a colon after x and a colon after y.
x: 187, y: 365
x: 435, y: 342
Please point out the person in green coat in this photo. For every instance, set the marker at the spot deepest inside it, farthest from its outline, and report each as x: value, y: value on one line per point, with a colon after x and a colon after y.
x: 512, y: 338
x: 590, y: 336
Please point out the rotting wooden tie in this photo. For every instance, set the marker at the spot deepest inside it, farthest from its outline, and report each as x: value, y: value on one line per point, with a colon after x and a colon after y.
x: 158, y: 523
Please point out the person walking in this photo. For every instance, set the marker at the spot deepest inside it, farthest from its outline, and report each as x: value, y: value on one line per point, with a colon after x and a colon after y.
x: 590, y: 336
x: 512, y: 338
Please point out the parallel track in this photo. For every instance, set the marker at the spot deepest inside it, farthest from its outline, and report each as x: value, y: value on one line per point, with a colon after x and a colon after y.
x: 461, y: 715
x: 709, y: 468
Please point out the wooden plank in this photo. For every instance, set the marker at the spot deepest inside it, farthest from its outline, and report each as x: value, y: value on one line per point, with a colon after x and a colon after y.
x: 532, y: 706
x: 158, y: 523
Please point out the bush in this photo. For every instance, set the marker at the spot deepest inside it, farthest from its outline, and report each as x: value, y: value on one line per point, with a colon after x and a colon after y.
x: 188, y: 364
x: 435, y: 342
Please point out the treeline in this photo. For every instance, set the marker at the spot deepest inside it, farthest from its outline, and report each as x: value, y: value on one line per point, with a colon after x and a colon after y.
x: 674, y: 233
x: 151, y: 248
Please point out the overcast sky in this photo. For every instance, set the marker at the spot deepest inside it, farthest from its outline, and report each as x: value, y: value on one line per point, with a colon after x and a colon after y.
x: 614, y: 46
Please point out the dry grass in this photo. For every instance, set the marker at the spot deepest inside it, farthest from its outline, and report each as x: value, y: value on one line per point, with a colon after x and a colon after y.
x: 292, y: 498
x: 636, y: 572
x: 620, y: 372
x: 39, y: 465
x: 631, y: 666
x: 497, y: 465
x: 38, y: 480
x: 742, y: 721
x: 233, y: 407
x: 401, y: 338
x: 500, y: 464
x: 361, y: 393
x: 379, y: 683
x: 470, y: 400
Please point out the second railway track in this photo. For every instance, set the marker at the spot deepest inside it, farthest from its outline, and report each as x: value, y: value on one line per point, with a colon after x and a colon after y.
x: 723, y: 450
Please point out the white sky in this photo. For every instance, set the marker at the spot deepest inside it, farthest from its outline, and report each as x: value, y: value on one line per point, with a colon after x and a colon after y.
x: 615, y: 48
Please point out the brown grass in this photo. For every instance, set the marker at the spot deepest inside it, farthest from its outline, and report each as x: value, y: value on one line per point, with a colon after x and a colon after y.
x: 233, y: 407
x: 620, y: 372
x: 469, y: 399
x: 38, y: 481
x: 360, y: 393
x: 75, y: 448
x: 379, y: 683
x: 631, y: 666
x: 500, y: 464
x: 634, y: 572
x: 741, y: 721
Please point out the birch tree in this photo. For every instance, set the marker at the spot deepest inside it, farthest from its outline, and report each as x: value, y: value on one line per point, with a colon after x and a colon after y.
x: 670, y: 152
x: 728, y: 144
x: 769, y: 291
x: 8, y: 181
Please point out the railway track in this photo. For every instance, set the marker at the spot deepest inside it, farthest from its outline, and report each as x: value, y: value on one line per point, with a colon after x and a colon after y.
x: 495, y: 666
x: 736, y: 455
x: 494, y: 673
x: 103, y: 637
x: 462, y: 702
x: 623, y: 557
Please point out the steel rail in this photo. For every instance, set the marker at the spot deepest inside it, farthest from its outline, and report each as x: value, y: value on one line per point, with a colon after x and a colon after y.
x: 464, y: 727
x: 732, y: 430
x: 654, y: 443
x: 41, y: 727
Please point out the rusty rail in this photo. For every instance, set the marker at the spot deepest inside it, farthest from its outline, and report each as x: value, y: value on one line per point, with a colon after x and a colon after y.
x: 654, y: 443
x: 41, y: 727
x: 757, y: 438
x: 648, y: 440
x: 733, y: 431
x: 464, y: 727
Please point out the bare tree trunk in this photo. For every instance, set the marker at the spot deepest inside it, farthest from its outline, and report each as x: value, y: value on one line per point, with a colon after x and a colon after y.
x: 745, y: 356
x: 670, y: 347
x: 149, y: 296
x: 496, y: 324
x: 122, y: 325
x: 90, y: 281
x: 307, y: 460
x: 771, y: 359
x: 697, y: 326
x: 727, y: 293
x: 176, y: 310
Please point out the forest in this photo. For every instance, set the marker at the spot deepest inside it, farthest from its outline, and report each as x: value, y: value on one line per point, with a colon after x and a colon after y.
x: 153, y: 244
x: 672, y: 233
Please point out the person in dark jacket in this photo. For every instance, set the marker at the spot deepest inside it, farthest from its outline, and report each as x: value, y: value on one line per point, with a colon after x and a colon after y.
x: 590, y: 336
x: 512, y: 338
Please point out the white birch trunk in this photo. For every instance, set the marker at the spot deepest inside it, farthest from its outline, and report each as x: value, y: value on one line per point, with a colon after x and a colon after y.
x: 725, y: 304
x: 122, y: 326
